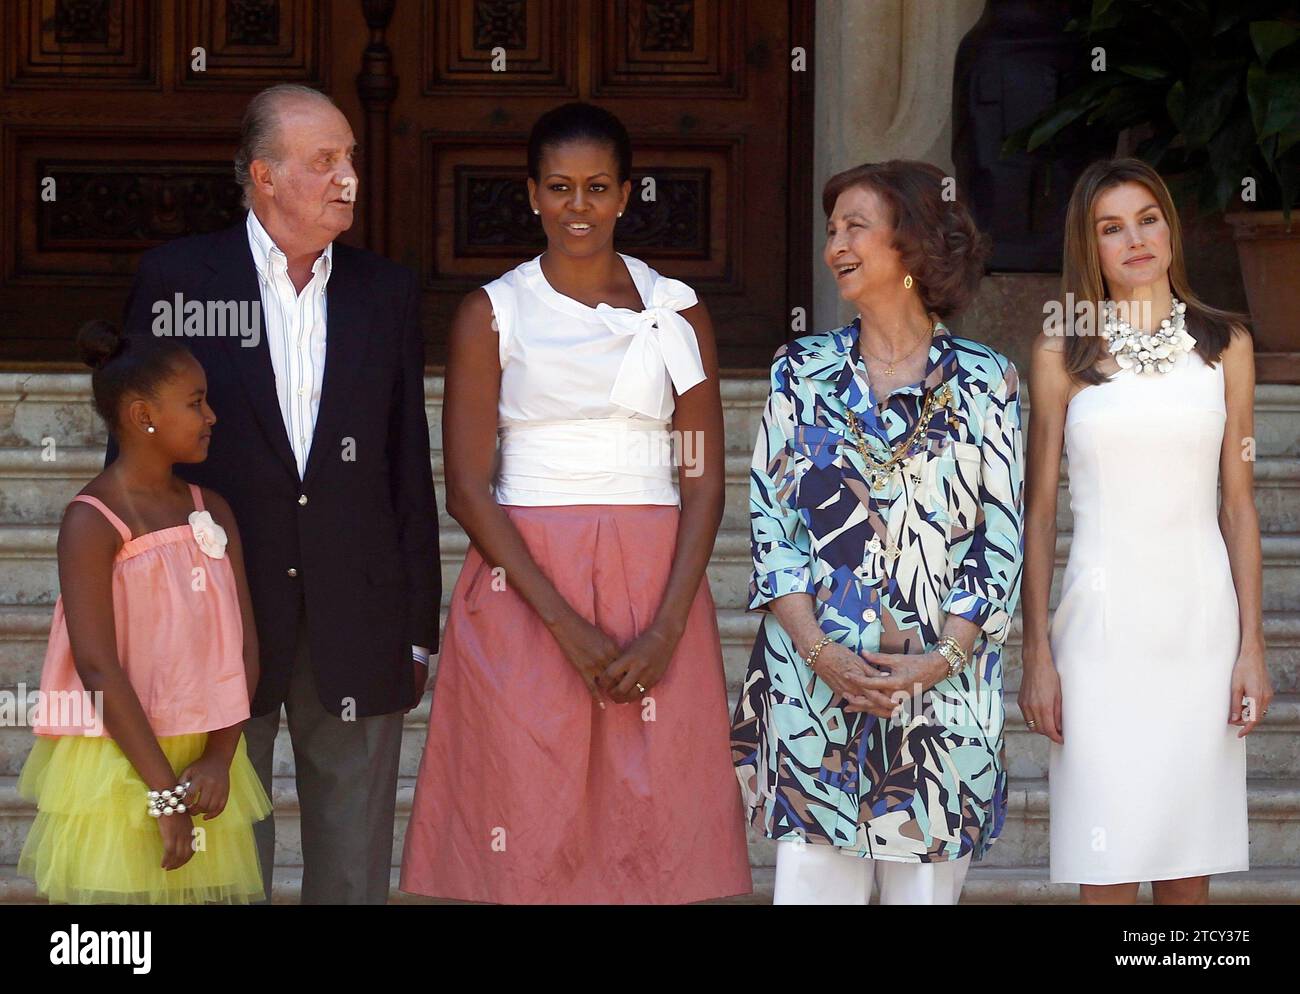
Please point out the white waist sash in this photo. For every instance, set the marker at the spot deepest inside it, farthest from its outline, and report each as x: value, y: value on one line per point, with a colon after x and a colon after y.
x: 586, y: 461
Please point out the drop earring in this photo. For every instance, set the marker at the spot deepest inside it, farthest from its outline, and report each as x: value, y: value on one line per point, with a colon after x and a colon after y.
x: 907, y: 282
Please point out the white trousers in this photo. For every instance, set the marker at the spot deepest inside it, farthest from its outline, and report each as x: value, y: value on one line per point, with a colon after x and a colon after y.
x: 819, y: 874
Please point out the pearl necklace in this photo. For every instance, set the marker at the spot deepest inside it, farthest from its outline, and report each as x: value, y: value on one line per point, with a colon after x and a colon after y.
x: 1146, y: 352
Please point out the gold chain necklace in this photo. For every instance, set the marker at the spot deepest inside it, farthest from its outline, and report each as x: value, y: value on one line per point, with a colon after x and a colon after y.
x: 890, y: 363
x: 879, y: 469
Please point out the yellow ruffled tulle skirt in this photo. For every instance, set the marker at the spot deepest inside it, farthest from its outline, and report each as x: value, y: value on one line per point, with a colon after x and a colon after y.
x: 93, y: 842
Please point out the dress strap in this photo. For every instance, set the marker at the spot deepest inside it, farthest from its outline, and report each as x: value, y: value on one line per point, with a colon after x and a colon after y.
x: 114, y: 520
x: 197, y: 493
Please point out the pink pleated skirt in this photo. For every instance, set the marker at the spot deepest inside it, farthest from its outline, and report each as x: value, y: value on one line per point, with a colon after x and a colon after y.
x: 528, y: 792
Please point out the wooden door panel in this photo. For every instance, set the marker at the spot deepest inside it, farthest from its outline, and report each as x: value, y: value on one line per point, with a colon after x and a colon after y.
x: 100, y: 97
x: 706, y: 94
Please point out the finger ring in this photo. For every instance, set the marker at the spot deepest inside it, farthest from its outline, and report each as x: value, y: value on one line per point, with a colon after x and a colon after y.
x: 1030, y: 723
x: 640, y: 688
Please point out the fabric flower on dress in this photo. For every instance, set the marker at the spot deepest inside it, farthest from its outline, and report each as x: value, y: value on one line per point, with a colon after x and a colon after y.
x: 210, y: 536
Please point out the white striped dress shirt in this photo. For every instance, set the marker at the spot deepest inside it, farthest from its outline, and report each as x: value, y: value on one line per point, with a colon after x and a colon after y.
x: 294, y: 326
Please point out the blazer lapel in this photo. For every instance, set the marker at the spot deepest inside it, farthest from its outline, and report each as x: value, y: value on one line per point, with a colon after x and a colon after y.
x: 346, y: 340
x: 236, y: 279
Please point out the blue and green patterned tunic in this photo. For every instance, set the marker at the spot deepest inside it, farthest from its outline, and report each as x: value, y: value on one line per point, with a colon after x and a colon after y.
x: 941, y: 534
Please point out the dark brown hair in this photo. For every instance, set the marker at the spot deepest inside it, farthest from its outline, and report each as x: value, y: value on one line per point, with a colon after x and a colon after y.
x: 579, y: 122
x: 936, y: 237
x: 1082, y: 279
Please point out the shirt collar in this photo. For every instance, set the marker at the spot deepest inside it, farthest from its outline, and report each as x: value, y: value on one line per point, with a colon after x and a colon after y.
x: 834, y: 357
x: 269, y: 258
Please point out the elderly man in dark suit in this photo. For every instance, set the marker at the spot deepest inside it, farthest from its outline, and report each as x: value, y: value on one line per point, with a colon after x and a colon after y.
x: 315, y: 364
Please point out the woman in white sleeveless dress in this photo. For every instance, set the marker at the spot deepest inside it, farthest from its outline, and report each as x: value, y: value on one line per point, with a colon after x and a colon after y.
x: 1152, y: 670
x: 578, y: 747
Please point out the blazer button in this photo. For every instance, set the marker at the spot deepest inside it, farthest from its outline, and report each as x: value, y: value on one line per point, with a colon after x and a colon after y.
x: 292, y: 571
x: 869, y: 615
x: 303, y: 499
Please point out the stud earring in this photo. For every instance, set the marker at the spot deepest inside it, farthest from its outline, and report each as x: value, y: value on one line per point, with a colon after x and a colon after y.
x: 150, y: 429
x: 620, y: 213
x: 536, y: 211
x: 907, y: 282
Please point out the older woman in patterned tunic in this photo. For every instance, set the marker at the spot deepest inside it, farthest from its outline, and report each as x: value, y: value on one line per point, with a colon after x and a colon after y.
x: 886, y: 501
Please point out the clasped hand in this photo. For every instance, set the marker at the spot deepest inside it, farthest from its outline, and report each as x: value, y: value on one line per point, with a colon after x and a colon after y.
x: 603, y: 665
x: 876, y: 682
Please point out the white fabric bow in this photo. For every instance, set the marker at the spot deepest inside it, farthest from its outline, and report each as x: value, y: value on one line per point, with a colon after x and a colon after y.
x: 663, y: 344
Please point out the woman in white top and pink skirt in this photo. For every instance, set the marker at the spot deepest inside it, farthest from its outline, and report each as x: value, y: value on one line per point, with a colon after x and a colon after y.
x: 578, y: 747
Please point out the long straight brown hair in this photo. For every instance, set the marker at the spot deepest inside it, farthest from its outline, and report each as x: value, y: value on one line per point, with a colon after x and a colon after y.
x: 1082, y: 279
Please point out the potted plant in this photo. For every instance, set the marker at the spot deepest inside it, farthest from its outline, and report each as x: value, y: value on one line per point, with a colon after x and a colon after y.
x: 1208, y: 92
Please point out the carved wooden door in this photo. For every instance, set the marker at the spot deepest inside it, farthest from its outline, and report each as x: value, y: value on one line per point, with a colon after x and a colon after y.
x: 113, y: 139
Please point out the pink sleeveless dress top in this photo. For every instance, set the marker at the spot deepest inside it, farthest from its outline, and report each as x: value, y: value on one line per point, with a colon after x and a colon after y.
x: 180, y: 637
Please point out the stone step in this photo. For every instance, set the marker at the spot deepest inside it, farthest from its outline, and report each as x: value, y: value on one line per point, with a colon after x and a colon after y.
x: 36, y: 405
x: 29, y: 566
x: 1273, y: 749
x: 34, y: 489
x: 25, y: 629
x: 984, y: 885
x: 1274, y: 807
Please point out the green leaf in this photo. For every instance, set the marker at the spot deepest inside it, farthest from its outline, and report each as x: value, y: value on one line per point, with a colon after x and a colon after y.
x: 1270, y: 37
x: 1176, y: 104
x: 1274, y: 101
x: 1144, y: 71
x: 1104, y: 16
x: 1152, y: 150
x: 1227, y: 18
x: 1210, y: 97
x: 1126, y: 105
x: 1067, y: 110
x: 1054, y: 124
x: 1231, y: 154
x: 1287, y: 140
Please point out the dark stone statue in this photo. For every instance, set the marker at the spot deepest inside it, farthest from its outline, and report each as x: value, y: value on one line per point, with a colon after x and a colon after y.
x: 1011, y: 66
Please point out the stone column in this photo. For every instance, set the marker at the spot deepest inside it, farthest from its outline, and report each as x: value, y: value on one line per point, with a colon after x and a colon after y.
x: 883, y: 91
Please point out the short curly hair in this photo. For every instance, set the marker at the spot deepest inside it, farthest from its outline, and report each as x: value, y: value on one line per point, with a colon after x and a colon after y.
x: 935, y: 236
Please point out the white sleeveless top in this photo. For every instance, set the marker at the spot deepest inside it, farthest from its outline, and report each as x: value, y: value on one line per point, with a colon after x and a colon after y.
x: 587, y: 392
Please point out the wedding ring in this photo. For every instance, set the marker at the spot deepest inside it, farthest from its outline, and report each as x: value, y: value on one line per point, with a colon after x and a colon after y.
x: 1030, y: 723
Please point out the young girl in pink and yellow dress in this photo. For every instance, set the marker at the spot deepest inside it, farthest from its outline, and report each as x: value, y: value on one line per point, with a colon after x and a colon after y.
x: 143, y: 787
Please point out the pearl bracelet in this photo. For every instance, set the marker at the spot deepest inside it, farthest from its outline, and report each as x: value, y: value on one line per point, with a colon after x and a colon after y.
x: 168, y: 802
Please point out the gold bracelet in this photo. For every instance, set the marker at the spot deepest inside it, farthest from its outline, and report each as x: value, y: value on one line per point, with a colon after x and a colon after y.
x: 952, y: 651
x: 816, y: 649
